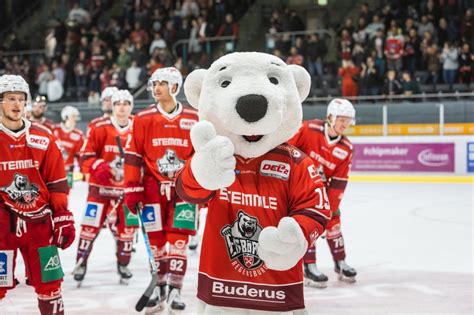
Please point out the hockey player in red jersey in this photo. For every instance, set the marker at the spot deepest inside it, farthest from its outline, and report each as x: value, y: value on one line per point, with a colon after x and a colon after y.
x: 101, y: 158
x: 159, y: 148
x: 33, y: 200
x: 38, y: 110
x: 331, y: 151
x: 70, y: 139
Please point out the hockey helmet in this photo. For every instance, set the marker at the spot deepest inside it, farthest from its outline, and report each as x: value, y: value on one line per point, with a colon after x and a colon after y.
x: 70, y: 111
x: 170, y: 75
x: 341, y: 107
x: 14, y: 83
x: 108, y: 92
x: 122, y: 95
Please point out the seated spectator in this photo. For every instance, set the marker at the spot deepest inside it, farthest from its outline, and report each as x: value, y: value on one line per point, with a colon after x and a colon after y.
x: 295, y: 57
x: 350, y: 77
x: 391, y: 85
x: 158, y: 42
x: 409, y: 86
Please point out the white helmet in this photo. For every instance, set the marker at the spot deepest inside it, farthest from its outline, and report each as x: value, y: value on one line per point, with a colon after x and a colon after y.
x: 70, y: 111
x: 170, y: 75
x: 14, y: 83
x: 107, y: 92
x: 122, y: 95
x: 341, y: 107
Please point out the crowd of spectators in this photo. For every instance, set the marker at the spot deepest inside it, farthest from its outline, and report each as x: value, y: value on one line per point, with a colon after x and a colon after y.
x: 92, y: 49
x: 391, y: 49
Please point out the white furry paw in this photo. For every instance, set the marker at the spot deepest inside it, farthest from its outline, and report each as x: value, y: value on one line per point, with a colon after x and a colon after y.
x: 213, y: 164
x: 283, y: 246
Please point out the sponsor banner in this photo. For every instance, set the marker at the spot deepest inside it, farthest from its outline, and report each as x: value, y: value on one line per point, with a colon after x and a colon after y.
x: 51, y: 269
x: 470, y: 157
x: 241, y: 294
x: 6, y: 268
x: 411, y: 129
x: 397, y: 157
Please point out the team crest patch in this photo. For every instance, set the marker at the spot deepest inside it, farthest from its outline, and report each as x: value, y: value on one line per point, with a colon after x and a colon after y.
x: 275, y: 169
x: 241, y: 239
x: 169, y: 164
x: 21, y: 191
x: 339, y: 153
x: 187, y: 124
x: 38, y: 142
x: 6, y: 268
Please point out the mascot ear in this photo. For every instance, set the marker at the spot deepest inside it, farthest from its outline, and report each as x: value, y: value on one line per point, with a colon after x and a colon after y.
x: 193, y: 86
x: 302, y: 79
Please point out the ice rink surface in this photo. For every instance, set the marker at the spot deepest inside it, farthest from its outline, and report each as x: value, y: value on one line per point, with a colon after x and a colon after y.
x: 411, y: 244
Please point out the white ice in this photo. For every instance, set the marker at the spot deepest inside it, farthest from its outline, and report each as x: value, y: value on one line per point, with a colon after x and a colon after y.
x: 411, y: 244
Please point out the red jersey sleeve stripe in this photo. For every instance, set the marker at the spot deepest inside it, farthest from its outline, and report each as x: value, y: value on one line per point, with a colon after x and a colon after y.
x: 316, y: 216
x: 183, y: 195
x: 133, y: 159
x: 338, y: 184
x: 58, y: 186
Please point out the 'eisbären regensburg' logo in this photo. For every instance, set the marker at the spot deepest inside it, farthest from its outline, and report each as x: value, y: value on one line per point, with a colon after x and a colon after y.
x: 242, y: 242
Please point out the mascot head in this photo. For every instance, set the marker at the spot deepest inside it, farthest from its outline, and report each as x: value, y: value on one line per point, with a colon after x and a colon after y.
x: 252, y: 98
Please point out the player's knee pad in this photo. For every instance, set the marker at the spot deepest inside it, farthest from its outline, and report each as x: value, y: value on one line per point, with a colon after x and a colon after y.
x: 88, y: 232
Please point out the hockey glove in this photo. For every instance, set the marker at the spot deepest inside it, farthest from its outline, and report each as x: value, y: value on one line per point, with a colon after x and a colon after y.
x: 213, y: 163
x: 64, y: 231
x: 133, y: 196
x: 101, y: 171
x: 282, y: 247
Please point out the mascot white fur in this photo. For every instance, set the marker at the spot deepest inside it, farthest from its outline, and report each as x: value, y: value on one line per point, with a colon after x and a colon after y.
x: 266, y: 200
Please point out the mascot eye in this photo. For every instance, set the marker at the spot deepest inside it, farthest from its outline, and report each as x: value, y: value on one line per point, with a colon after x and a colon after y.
x: 225, y: 83
x: 273, y: 80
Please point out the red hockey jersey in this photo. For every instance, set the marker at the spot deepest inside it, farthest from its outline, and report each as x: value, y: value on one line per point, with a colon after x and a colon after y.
x: 71, y: 142
x: 101, y: 143
x: 332, y: 157
x: 283, y: 182
x: 32, y: 172
x: 45, y: 122
x: 160, y: 143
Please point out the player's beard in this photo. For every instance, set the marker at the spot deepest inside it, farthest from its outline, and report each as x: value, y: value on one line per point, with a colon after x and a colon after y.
x: 37, y: 116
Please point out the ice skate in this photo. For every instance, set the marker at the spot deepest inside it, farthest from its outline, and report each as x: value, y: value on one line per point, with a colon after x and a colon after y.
x: 175, y: 305
x: 157, y: 302
x: 124, y: 273
x: 346, y: 273
x: 193, y: 243
x: 313, y: 277
x: 79, y: 274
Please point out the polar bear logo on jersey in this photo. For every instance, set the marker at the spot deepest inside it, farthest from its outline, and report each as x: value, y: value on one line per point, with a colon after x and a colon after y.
x: 246, y: 225
x: 170, y: 164
x: 21, y: 190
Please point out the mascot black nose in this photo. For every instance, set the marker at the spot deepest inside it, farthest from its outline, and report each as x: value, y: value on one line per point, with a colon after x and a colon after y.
x: 252, y: 107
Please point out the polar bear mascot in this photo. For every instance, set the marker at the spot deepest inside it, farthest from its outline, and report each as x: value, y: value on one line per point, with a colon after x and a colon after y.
x: 266, y: 200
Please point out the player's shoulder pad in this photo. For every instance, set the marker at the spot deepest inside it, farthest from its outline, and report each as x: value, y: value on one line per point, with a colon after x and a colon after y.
x: 40, y: 128
x: 103, y: 123
x: 289, y: 151
x: 346, y: 142
x: 96, y: 120
x: 187, y: 109
x: 315, y: 124
x: 78, y: 131
x: 150, y: 110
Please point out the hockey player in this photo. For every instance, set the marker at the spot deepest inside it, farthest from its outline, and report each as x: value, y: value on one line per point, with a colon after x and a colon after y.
x: 160, y: 146
x: 38, y: 110
x: 33, y: 200
x: 331, y: 152
x: 101, y: 158
x: 70, y: 138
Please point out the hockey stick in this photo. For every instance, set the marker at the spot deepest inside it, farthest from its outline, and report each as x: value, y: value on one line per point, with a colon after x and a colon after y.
x: 154, y: 268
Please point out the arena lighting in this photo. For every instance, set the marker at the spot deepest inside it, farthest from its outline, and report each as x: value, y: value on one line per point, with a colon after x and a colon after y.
x: 322, y: 2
